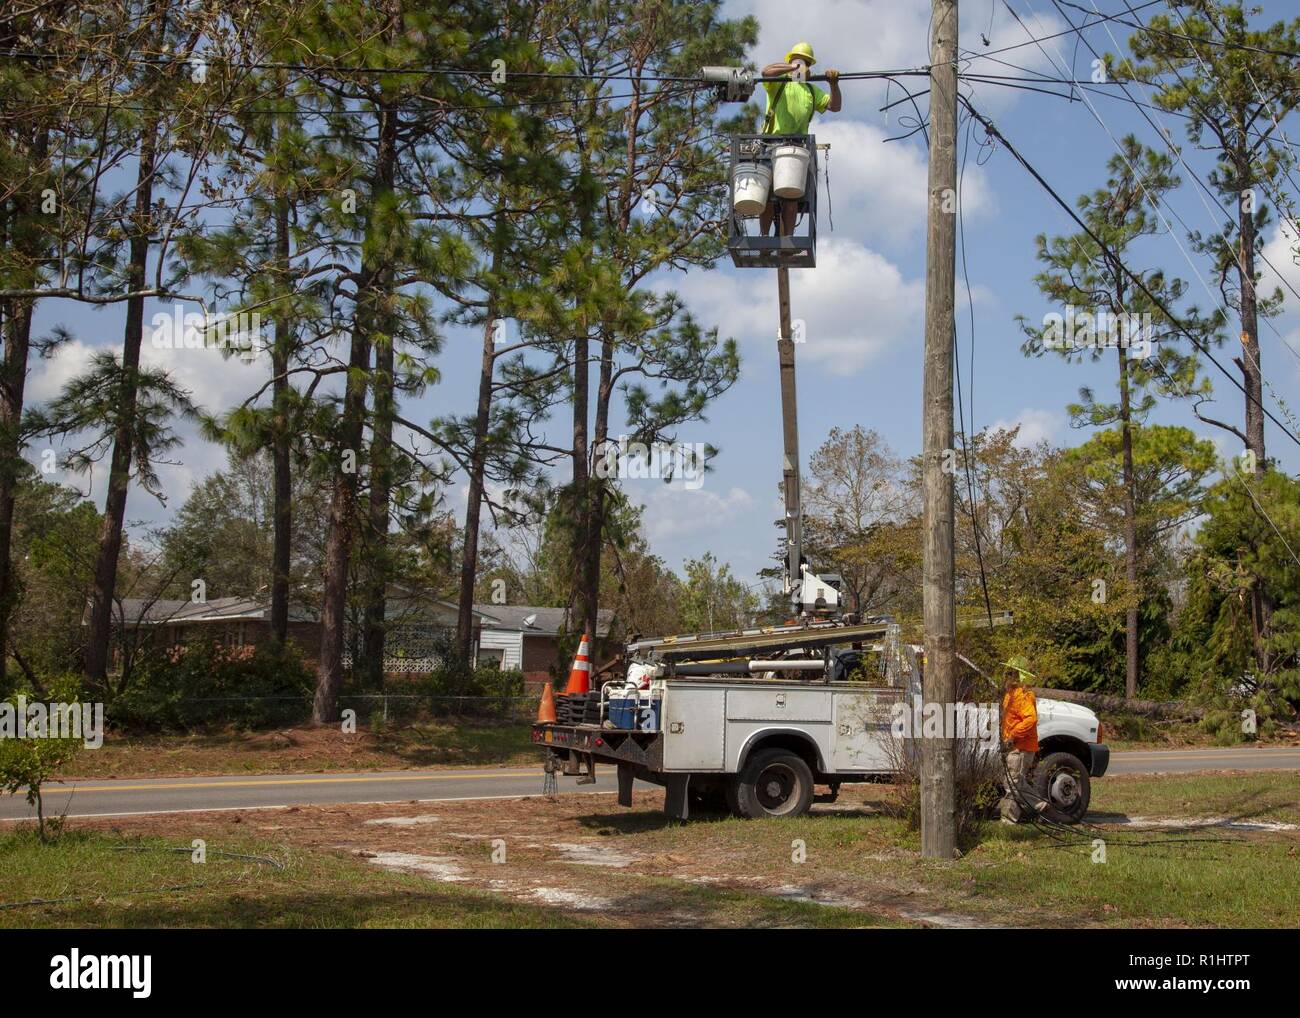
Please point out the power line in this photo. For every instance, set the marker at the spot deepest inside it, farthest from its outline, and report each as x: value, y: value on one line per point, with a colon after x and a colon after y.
x: 171, y: 60
x: 1154, y: 201
x: 362, y: 111
x: 1137, y: 280
x: 961, y: 413
x: 1139, y: 27
x: 1163, y: 134
x: 1034, y: 40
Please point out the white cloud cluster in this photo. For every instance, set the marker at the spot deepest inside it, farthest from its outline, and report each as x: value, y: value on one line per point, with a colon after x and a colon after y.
x: 878, y: 187
x: 676, y: 513
x: 1036, y: 425
x: 850, y: 309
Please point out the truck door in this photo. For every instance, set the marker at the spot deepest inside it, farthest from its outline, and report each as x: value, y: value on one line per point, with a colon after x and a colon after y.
x: 861, y: 739
x: 694, y: 725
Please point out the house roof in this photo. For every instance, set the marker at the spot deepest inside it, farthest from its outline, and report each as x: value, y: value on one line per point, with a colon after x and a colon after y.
x: 142, y: 611
x: 539, y: 621
x: 402, y: 604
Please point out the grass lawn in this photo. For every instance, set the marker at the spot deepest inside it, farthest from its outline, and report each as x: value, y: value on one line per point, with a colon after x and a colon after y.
x: 306, y: 750
x: 123, y: 882
x: 1260, y: 795
x: 582, y: 860
x: 98, y: 879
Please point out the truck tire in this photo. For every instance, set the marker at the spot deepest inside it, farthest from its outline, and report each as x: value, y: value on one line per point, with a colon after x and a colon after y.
x: 1062, y: 779
x: 773, y: 783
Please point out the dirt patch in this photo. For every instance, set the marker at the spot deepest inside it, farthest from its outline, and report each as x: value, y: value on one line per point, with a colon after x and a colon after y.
x: 419, y: 821
x: 592, y: 853
x: 1196, y: 823
x: 438, y: 867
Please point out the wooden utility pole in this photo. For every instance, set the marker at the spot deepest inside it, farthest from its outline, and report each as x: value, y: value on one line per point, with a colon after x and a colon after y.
x: 938, y: 784
x: 790, y: 438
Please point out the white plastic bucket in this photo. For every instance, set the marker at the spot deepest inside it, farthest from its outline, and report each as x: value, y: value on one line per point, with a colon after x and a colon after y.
x: 790, y: 170
x: 749, y: 189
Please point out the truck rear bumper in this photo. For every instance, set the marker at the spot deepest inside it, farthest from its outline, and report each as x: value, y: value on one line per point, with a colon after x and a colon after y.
x: 640, y: 749
x: 1100, y: 759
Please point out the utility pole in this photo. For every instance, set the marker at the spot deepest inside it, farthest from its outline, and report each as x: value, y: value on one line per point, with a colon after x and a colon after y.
x: 938, y: 775
x: 790, y: 439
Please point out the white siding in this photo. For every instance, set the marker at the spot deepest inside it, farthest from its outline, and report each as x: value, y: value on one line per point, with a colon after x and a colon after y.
x: 509, y: 641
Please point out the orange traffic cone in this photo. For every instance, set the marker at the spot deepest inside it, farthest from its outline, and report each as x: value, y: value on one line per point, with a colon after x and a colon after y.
x: 546, y: 709
x: 580, y: 674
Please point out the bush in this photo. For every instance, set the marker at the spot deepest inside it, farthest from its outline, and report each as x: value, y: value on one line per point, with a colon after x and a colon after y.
x: 443, y: 683
x: 210, y: 684
x: 26, y: 763
x: 979, y: 780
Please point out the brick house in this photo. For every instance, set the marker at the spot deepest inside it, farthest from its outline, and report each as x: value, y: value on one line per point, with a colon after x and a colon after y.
x: 417, y: 627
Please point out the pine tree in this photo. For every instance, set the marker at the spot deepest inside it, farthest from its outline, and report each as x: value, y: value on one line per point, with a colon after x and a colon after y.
x: 1101, y: 312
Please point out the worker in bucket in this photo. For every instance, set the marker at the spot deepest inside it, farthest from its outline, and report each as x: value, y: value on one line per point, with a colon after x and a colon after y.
x: 791, y: 103
x: 1019, y: 743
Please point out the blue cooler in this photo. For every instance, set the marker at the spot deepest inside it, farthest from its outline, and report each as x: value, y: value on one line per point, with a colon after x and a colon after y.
x: 623, y: 712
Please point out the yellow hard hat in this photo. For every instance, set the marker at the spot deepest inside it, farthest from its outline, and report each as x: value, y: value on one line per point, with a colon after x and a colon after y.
x: 1020, y: 664
x: 801, y: 49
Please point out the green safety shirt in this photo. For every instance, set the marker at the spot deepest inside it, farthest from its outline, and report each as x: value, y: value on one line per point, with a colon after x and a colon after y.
x: 795, y: 107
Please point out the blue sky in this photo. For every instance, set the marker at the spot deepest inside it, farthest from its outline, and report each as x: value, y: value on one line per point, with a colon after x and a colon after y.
x: 863, y: 304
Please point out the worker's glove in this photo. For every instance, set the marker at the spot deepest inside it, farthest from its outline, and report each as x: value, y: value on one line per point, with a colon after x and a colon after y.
x: 1006, y: 746
x: 832, y: 75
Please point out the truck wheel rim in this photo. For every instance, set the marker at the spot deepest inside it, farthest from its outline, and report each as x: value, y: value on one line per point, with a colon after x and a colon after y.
x: 1064, y: 789
x: 775, y: 787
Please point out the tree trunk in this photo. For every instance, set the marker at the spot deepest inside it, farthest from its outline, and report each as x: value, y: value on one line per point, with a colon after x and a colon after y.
x: 1130, y: 530
x: 581, y: 506
x: 596, y: 529
x: 1250, y: 364
x: 474, y: 505
x: 282, y: 508
x: 1253, y: 382
x: 119, y: 476
x: 478, y: 467
x: 13, y: 379
x: 17, y: 232
x: 342, y: 511
x: 374, y: 626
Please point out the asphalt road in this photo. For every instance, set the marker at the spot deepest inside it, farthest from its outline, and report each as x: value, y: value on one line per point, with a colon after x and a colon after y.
x: 131, y: 796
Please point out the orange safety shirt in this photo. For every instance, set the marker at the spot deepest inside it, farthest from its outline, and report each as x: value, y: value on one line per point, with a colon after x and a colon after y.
x: 1020, y: 718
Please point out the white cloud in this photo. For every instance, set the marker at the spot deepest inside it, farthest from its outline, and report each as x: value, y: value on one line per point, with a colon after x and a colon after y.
x: 675, y: 512
x: 1280, y: 250
x: 878, y: 188
x: 853, y: 306
x: 1035, y: 426
x: 859, y: 35
x: 215, y: 383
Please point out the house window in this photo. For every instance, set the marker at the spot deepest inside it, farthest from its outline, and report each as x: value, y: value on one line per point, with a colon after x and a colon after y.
x: 491, y: 657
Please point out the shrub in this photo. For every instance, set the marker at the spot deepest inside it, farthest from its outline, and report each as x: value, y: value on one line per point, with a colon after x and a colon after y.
x: 487, y: 690
x: 211, y: 684
x: 979, y: 780
x: 26, y: 763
